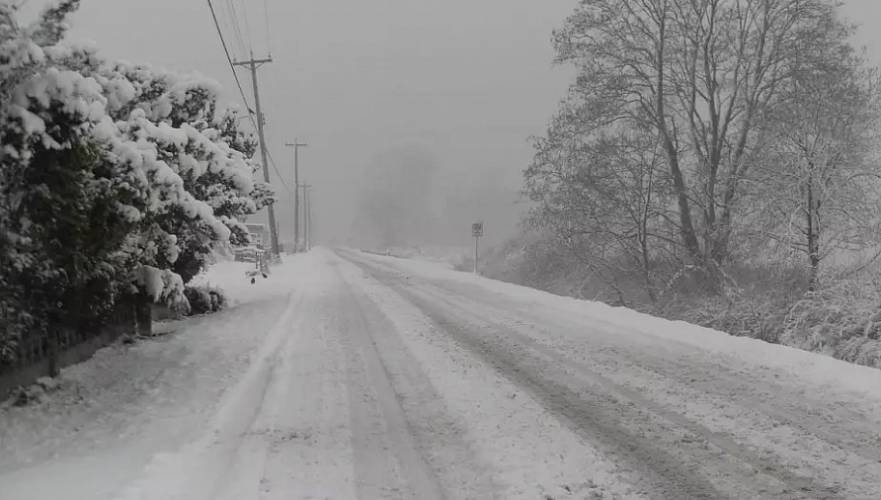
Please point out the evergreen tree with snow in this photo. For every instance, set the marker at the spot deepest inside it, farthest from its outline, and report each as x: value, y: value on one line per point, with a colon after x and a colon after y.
x: 114, y: 179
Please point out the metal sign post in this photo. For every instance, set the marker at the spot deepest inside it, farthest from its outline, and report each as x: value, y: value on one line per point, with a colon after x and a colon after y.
x: 477, y: 232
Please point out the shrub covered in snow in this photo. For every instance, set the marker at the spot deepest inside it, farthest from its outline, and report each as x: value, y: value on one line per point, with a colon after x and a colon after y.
x: 115, y: 179
x: 772, y: 303
x: 205, y: 299
x: 842, y: 320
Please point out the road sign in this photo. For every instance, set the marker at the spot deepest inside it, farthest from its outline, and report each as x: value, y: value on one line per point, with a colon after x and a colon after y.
x: 477, y: 232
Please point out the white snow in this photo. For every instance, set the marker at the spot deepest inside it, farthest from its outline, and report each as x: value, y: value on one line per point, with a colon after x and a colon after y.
x: 814, y: 369
x: 110, y: 416
x: 232, y: 277
x: 264, y: 399
x: 811, y: 414
x: 446, y: 257
x: 530, y: 449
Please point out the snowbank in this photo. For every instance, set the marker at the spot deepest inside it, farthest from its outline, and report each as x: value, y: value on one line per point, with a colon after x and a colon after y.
x: 231, y: 277
x: 121, y: 413
x: 445, y: 257
x: 809, y: 367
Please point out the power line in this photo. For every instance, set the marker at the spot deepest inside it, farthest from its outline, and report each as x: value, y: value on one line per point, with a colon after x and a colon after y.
x: 266, y: 19
x: 227, y: 17
x: 224, y: 14
x: 247, y: 27
x: 231, y: 65
x: 242, y: 93
x: 237, y: 29
x: 274, y: 167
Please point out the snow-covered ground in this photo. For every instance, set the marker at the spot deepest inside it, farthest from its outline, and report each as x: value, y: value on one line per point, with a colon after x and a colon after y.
x: 231, y: 277
x: 112, y: 413
x: 346, y: 375
x: 445, y: 257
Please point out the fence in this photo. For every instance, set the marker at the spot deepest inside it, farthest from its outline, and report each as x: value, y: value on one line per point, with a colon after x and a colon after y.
x: 36, y: 357
x: 251, y: 254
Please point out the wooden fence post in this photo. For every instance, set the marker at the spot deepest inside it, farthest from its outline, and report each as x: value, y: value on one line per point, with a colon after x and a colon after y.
x: 143, y: 316
x: 52, y: 340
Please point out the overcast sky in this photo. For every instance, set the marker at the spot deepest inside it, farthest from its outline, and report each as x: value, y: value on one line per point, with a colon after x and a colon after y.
x: 469, y: 80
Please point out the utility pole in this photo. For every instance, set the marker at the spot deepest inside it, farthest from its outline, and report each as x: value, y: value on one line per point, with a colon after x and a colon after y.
x: 309, y: 217
x: 311, y: 223
x: 252, y: 65
x: 307, y: 210
x: 306, y: 217
x: 296, y: 145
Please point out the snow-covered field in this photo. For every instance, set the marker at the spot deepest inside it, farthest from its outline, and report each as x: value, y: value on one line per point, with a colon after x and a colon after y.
x: 346, y: 375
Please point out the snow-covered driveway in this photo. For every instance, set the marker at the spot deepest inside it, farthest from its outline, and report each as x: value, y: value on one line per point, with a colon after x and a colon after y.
x: 369, y: 377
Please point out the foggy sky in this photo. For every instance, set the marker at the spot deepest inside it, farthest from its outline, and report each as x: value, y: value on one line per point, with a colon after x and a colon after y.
x: 465, y: 80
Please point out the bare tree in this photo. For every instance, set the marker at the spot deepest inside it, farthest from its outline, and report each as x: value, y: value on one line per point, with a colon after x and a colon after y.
x: 818, y: 180
x: 598, y: 194
x: 701, y: 74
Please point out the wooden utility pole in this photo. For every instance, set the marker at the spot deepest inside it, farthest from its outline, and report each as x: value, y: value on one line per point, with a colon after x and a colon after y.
x: 311, y: 223
x: 296, y: 145
x: 252, y: 65
x: 306, y: 209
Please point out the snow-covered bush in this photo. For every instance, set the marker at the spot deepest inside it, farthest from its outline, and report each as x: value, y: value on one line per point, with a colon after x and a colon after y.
x: 65, y: 200
x: 204, y: 146
x: 755, y: 315
x: 771, y: 303
x: 114, y: 179
x: 205, y: 299
x: 842, y: 320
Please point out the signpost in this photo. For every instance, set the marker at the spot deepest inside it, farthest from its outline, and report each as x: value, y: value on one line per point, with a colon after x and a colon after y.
x: 477, y: 232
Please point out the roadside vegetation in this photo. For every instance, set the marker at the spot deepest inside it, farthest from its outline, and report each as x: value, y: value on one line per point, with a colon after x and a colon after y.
x: 714, y: 161
x: 116, y: 181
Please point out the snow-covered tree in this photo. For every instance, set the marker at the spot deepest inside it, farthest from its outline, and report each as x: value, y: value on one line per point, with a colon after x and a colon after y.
x: 703, y: 76
x: 114, y: 178
x: 65, y: 203
x: 818, y: 186
x: 204, y: 146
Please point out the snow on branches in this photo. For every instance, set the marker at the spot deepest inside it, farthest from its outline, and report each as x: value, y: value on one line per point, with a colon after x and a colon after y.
x: 112, y: 175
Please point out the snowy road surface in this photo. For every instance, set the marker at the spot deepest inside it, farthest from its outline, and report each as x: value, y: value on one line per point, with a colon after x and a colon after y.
x: 347, y: 376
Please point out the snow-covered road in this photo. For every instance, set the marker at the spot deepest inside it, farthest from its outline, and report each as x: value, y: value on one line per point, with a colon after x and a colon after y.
x: 368, y: 377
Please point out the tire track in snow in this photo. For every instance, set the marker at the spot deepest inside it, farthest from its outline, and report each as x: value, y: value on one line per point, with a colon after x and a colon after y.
x: 591, y: 415
x: 528, y: 453
x: 387, y: 458
x: 561, y: 399
x: 198, y: 470
x: 245, y: 477
x: 794, y: 486
x: 438, y: 437
x: 821, y: 441
x: 309, y: 437
x: 815, y: 445
x: 815, y: 415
